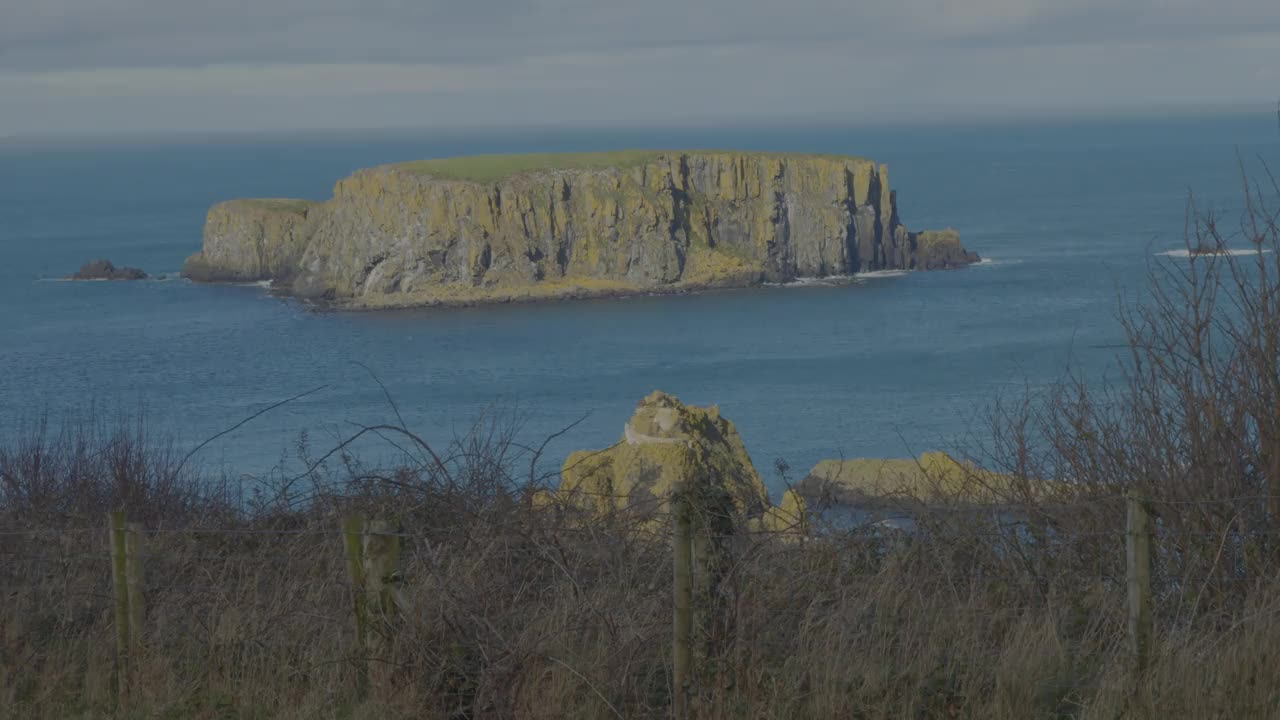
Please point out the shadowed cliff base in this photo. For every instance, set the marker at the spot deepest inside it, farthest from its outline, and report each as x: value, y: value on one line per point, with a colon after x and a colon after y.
x: 460, y: 231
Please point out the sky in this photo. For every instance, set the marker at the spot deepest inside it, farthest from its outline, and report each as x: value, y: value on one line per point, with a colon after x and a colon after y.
x: 140, y: 66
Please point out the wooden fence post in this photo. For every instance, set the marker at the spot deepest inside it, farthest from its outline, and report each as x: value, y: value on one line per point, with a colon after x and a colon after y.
x: 711, y: 512
x: 117, y: 543
x: 134, y: 586
x: 1138, y: 561
x: 381, y: 547
x: 681, y: 651
x: 352, y: 541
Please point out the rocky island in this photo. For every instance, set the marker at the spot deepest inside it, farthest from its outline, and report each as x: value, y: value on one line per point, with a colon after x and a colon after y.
x: 459, y: 231
x: 106, y: 270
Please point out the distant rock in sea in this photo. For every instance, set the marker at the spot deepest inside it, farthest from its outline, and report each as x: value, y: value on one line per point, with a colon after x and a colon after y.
x: 513, y: 228
x: 105, y: 270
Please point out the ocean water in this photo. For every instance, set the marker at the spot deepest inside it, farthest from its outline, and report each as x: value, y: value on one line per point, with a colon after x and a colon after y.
x: 1070, y: 216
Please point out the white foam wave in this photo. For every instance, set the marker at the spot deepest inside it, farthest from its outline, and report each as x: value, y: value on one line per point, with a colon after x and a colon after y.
x: 882, y: 274
x: 825, y: 281
x: 999, y: 261
x: 1237, y: 252
x: 811, y: 281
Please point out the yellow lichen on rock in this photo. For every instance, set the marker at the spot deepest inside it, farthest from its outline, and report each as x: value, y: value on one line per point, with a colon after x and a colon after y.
x: 862, y: 173
x: 933, y: 476
x: 886, y: 197
x: 789, y: 516
x: 716, y: 268
x: 667, y: 447
x: 541, y: 499
x: 664, y: 444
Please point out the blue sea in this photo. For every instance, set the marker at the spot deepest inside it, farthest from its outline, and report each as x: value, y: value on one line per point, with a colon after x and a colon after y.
x: 1069, y: 216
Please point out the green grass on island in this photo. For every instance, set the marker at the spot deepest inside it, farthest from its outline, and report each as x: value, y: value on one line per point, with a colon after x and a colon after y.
x: 278, y: 204
x: 492, y: 168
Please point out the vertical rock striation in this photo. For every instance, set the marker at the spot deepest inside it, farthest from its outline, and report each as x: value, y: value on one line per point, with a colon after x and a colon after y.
x: 426, y: 233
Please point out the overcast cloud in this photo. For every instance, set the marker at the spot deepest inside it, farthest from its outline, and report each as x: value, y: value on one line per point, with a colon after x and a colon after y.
x: 142, y: 65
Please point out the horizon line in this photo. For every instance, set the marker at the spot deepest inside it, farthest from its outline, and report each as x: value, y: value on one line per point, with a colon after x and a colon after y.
x: 146, y: 136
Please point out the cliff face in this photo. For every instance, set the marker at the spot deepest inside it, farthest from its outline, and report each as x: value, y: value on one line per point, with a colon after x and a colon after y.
x: 406, y: 234
x: 247, y: 240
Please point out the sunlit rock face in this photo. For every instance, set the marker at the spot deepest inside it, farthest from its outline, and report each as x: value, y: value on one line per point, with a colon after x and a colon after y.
x: 501, y: 229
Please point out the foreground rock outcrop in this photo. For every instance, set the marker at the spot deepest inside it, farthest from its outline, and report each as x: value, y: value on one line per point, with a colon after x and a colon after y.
x: 667, y: 445
x: 934, y: 476
x: 105, y: 270
x: 500, y: 229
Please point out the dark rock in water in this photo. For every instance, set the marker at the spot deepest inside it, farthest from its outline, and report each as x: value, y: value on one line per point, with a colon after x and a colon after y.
x: 105, y: 270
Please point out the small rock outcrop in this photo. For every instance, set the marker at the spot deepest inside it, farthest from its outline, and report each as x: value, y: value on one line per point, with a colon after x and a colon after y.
x: 941, y: 250
x: 105, y: 270
x: 934, y: 476
x: 513, y: 228
x: 667, y: 444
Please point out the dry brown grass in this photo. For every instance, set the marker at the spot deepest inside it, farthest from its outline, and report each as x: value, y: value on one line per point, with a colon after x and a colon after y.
x: 526, y: 613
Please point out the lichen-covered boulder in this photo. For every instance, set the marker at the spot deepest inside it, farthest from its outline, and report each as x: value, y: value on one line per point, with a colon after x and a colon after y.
x: 665, y: 443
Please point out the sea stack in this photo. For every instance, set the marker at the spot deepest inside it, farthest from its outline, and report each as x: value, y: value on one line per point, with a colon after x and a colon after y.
x: 526, y: 227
